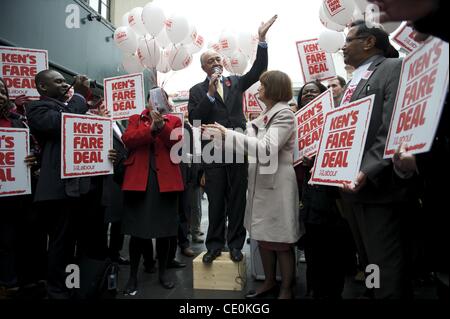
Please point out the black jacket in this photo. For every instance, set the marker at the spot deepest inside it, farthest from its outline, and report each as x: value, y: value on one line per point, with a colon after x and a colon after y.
x: 44, y: 120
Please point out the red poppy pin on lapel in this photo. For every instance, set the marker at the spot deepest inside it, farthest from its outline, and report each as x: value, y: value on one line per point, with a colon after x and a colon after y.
x: 228, y: 83
x: 265, y: 119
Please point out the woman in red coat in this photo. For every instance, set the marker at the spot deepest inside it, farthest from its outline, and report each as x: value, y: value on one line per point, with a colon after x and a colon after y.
x: 151, y: 186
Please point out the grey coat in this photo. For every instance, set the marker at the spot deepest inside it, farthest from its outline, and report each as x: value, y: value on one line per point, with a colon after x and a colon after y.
x: 383, y: 82
x: 272, y: 198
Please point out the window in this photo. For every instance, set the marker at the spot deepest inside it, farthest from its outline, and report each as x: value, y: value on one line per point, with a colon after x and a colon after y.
x: 103, y: 7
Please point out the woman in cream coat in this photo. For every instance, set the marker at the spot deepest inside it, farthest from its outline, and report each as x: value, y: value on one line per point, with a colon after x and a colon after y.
x: 272, y: 202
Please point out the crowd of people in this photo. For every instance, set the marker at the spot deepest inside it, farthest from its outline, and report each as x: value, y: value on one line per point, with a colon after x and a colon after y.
x: 392, y: 216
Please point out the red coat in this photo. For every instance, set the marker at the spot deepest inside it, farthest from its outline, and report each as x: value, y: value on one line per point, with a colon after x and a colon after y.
x: 138, y: 138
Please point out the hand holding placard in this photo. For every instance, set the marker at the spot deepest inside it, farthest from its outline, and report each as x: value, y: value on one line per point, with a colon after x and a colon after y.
x: 404, y: 161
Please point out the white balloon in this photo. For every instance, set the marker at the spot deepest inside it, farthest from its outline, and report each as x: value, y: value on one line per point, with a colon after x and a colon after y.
x: 162, y: 39
x: 339, y: 11
x: 227, y: 64
x: 372, y: 15
x: 228, y: 43
x: 331, y: 41
x: 177, y: 28
x: 196, y: 45
x: 135, y: 21
x: 238, y: 62
x: 361, y: 5
x: 149, y: 52
x: 358, y: 15
x: 247, y: 43
x: 327, y: 23
x: 125, y: 39
x: 179, y: 58
x: 163, y: 65
x: 131, y: 64
x: 153, y: 18
x: 215, y: 47
x: 191, y: 36
x: 124, y: 20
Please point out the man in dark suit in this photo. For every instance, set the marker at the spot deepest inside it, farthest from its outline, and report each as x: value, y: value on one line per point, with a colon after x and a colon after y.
x: 219, y: 99
x: 430, y: 166
x: 376, y: 201
x: 63, y: 203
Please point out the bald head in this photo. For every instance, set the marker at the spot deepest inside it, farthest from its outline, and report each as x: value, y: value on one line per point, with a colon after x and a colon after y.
x: 52, y: 84
x: 210, y: 60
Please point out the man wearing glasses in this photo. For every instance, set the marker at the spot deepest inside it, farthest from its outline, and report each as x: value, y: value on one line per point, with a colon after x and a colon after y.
x: 376, y: 202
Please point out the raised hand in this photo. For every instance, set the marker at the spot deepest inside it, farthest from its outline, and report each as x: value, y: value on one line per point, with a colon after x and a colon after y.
x: 264, y: 27
x: 158, y: 120
x: 81, y: 85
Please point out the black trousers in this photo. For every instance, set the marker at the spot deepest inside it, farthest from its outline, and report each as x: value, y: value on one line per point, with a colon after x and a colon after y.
x: 75, y: 229
x: 23, y: 243
x: 385, y: 235
x: 323, y: 253
x: 184, y: 214
x: 226, y: 188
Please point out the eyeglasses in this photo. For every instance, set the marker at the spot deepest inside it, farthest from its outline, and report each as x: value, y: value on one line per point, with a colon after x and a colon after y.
x: 348, y: 40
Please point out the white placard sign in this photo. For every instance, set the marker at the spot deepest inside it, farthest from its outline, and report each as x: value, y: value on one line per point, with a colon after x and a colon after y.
x: 86, y: 141
x: 124, y: 95
x: 309, y: 126
x: 405, y: 37
x: 15, y: 178
x: 341, y: 149
x: 315, y: 63
x: 19, y: 66
x: 252, y: 104
x: 420, y: 98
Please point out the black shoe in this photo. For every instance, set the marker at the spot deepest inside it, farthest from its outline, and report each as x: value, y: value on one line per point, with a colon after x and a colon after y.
x: 175, y: 264
x: 270, y: 293
x: 236, y: 255
x: 211, y: 255
x: 166, y: 282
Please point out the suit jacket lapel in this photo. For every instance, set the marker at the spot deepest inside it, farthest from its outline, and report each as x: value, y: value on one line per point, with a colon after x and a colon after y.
x: 363, y: 83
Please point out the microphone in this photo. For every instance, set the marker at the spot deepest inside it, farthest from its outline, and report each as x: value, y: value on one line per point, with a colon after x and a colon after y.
x: 217, y: 70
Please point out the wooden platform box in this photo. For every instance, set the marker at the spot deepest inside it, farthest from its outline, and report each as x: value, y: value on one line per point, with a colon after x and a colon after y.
x: 222, y: 274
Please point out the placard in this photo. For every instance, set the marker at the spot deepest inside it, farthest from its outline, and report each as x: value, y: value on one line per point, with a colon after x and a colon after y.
x: 15, y: 177
x: 181, y: 108
x: 405, y: 37
x: 420, y: 98
x: 86, y: 141
x: 315, y: 63
x: 124, y: 95
x: 19, y: 66
x: 309, y: 126
x: 341, y: 149
x: 252, y: 104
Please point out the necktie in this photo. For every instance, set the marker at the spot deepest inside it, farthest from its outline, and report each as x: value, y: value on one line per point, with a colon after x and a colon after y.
x: 220, y: 88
